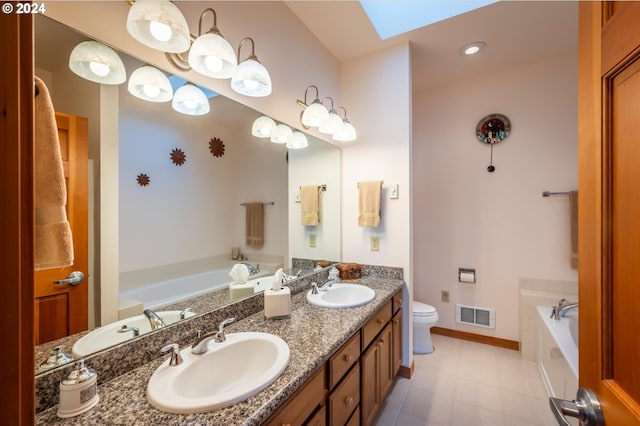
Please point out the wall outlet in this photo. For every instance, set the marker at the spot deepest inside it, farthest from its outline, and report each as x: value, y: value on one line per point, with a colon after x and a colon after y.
x: 375, y: 243
x: 312, y: 240
x: 444, y: 296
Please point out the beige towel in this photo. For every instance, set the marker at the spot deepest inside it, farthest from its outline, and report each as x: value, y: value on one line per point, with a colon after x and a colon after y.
x: 53, y: 239
x: 369, y: 204
x: 310, y: 205
x: 255, y: 225
x: 573, y: 208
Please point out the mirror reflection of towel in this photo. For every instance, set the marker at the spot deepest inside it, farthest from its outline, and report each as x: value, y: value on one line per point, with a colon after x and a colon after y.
x: 369, y: 203
x: 255, y: 224
x: 310, y: 205
x: 53, y: 239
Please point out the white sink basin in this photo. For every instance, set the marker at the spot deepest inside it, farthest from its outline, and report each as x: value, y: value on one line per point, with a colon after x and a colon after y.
x: 228, y: 373
x: 342, y: 295
x: 106, y: 336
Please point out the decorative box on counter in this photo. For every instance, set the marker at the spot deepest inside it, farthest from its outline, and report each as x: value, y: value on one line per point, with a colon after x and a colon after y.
x: 349, y: 271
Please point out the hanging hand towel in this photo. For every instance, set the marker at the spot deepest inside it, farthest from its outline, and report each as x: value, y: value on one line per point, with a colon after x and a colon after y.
x: 310, y: 205
x: 573, y: 207
x: 255, y: 225
x: 369, y: 204
x: 53, y: 239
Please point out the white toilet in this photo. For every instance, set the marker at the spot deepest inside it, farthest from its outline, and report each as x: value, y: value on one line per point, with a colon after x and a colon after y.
x: 424, y: 317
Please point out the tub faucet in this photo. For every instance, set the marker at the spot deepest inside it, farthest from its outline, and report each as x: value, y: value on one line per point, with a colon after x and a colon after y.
x: 155, y: 321
x: 200, y: 345
x: 252, y: 269
x: 560, y: 311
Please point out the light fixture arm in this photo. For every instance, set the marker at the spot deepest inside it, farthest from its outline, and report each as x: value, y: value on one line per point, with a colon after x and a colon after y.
x: 331, y: 99
x: 253, y: 46
x: 305, y: 104
x: 345, y: 112
x: 214, y: 29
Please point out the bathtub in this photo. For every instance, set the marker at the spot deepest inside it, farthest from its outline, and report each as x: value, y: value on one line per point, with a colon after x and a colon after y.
x: 162, y: 293
x: 558, y: 352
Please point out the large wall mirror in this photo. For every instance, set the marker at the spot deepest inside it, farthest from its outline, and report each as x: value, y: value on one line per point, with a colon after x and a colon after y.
x: 181, y: 198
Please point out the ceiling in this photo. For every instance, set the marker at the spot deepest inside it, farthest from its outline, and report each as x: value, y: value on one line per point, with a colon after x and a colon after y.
x: 516, y: 33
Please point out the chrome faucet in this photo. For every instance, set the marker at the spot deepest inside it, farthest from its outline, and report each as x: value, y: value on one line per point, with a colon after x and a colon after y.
x: 126, y: 328
x: 155, y: 321
x: 252, y: 269
x: 560, y: 311
x: 200, y: 345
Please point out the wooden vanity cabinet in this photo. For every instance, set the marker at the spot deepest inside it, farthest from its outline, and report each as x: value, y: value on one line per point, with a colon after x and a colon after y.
x: 377, y: 375
x: 396, y: 333
x: 300, y: 408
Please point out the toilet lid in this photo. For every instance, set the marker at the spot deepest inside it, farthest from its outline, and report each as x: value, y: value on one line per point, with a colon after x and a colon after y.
x: 422, y: 309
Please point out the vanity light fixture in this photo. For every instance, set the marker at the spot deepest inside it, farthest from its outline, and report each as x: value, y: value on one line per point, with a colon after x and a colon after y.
x: 98, y: 63
x: 347, y: 133
x: 251, y: 78
x: 190, y: 100
x: 283, y: 134
x: 298, y: 141
x: 159, y: 24
x: 211, y: 54
x: 314, y: 113
x: 334, y: 123
x: 263, y: 127
x: 150, y: 84
x: 472, y: 48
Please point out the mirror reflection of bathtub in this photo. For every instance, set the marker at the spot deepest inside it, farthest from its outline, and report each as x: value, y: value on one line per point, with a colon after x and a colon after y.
x: 558, y: 352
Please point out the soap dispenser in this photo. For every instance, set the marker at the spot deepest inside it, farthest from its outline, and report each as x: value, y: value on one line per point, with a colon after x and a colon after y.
x: 78, y: 392
x: 277, y: 300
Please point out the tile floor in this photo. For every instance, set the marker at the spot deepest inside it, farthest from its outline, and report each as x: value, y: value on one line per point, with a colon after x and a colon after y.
x: 465, y: 383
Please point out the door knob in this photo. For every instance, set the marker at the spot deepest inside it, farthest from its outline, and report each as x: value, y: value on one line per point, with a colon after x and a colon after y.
x: 585, y: 407
x: 74, y: 278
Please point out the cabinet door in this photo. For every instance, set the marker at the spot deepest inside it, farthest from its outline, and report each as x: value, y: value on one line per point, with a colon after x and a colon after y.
x: 396, y: 336
x: 370, y: 391
x: 385, y: 367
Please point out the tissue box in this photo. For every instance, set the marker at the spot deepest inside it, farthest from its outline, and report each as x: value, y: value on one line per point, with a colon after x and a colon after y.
x: 277, y: 303
x: 349, y: 271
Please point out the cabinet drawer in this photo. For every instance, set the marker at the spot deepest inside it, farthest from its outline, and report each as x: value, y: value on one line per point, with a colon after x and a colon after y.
x: 355, y: 418
x: 319, y: 418
x: 302, y: 403
x: 397, y: 301
x: 344, y: 359
x: 345, y: 398
x: 375, y: 324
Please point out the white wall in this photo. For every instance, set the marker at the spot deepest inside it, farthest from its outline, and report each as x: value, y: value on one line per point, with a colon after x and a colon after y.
x: 376, y: 91
x: 495, y: 222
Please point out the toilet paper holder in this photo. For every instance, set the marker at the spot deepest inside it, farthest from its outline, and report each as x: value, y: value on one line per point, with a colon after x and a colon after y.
x: 466, y: 275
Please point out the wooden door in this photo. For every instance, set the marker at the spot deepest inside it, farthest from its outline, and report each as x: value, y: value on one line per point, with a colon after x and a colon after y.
x: 609, y: 207
x: 396, y: 346
x: 385, y: 342
x: 369, y: 389
x: 61, y: 310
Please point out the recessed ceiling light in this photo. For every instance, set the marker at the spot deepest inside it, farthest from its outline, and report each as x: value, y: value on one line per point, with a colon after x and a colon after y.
x: 472, y: 48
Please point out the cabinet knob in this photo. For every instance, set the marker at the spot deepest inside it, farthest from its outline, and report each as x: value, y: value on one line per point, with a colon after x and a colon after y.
x: 380, y: 320
x: 348, y: 400
x: 396, y: 321
x: 400, y: 301
x: 381, y: 342
x: 286, y: 424
x: 348, y: 358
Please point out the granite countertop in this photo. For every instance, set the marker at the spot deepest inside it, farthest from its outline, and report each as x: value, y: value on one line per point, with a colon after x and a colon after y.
x: 312, y: 333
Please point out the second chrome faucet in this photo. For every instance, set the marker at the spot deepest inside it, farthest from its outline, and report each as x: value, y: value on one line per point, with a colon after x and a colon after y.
x: 202, y: 339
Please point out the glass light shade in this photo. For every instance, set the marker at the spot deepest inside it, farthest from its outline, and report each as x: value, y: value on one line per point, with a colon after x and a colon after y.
x: 283, y: 134
x: 298, y: 141
x: 159, y: 24
x: 315, y: 114
x: 190, y: 100
x: 332, y: 125
x: 251, y: 79
x: 212, y: 55
x: 263, y: 127
x: 98, y: 63
x: 347, y: 134
x: 150, y: 84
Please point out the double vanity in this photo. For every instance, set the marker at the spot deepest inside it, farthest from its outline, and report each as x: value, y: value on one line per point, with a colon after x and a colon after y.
x: 336, y: 366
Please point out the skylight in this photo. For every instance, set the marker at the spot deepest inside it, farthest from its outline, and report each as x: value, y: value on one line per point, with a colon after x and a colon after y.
x: 391, y: 18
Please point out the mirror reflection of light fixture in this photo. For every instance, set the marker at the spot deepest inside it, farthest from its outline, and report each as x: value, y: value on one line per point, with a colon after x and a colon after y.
x: 98, y: 63
x: 333, y: 124
x: 150, y: 84
x: 347, y: 133
x: 211, y: 54
x: 159, y: 24
x: 298, y: 141
x: 283, y: 134
x: 263, y: 127
x: 314, y: 113
x: 190, y: 100
x: 251, y: 77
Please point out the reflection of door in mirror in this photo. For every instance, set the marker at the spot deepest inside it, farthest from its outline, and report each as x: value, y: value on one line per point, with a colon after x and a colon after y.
x: 61, y: 309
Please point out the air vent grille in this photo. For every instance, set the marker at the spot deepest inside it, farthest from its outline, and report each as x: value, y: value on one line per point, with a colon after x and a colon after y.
x: 474, y: 315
